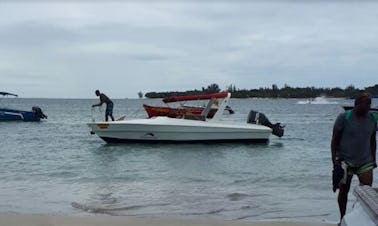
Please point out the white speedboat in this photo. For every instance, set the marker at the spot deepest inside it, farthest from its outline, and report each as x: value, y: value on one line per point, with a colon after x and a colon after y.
x: 190, y: 128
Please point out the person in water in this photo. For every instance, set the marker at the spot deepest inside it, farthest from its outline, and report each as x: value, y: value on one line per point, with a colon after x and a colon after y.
x: 109, y: 105
x: 353, y: 147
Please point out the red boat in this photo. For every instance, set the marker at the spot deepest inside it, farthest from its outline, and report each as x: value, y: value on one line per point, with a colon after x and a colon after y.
x: 179, y: 112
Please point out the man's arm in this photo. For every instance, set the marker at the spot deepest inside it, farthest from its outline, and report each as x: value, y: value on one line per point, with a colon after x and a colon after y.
x: 338, y: 128
x: 373, y: 147
x: 334, y: 144
x: 99, y: 104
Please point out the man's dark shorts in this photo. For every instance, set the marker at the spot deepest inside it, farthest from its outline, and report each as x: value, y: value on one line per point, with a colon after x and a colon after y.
x: 109, y: 109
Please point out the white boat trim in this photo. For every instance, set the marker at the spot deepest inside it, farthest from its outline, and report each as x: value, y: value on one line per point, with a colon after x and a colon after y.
x: 13, y: 113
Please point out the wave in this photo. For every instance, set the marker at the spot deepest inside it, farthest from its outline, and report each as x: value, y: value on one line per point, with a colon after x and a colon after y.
x: 216, y: 211
x: 236, y: 196
x: 110, y: 210
x: 317, y: 100
x: 220, y: 210
x: 300, y: 216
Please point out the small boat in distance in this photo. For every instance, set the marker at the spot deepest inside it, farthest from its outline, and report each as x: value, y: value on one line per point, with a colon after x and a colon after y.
x: 317, y: 100
x: 180, y: 112
x: 189, y: 129
x: 8, y: 114
x: 346, y: 108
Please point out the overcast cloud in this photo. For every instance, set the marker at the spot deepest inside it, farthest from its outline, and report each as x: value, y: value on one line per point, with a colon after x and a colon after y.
x: 70, y: 49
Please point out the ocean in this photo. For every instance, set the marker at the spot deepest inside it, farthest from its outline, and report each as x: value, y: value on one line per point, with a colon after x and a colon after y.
x: 56, y: 167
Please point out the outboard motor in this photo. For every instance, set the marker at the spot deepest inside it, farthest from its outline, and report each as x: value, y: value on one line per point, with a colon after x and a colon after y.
x: 255, y: 117
x: 37, y: 111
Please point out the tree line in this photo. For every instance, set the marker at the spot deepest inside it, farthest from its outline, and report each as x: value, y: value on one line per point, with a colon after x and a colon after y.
x: 272, y: 92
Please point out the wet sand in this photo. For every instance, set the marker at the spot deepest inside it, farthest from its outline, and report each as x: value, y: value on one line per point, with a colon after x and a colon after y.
x: 45, y: 220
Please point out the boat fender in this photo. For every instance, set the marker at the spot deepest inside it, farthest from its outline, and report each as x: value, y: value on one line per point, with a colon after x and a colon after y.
x: 255, y: 117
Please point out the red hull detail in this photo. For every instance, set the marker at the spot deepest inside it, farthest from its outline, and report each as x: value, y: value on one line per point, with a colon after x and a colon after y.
x: 153, y: 111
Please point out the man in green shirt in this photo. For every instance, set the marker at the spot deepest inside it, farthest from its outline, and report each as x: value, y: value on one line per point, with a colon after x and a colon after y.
x: 353, y: 147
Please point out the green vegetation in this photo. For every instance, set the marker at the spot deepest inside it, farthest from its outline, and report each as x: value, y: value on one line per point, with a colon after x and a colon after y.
x: 273, y: 92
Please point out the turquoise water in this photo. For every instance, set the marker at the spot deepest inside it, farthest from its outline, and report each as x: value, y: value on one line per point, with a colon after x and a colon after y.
x: 57, y: 167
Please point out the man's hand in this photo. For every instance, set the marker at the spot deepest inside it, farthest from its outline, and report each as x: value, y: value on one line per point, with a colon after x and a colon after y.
x: 335, y: 162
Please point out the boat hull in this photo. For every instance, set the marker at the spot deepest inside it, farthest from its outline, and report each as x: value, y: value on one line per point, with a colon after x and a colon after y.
x: 365, y: 209
x: 170, y: 130
x: 111, y: 140
x: 17, y: 115
x: 346, y: 108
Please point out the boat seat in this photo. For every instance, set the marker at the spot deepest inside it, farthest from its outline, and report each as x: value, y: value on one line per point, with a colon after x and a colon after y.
x: 195, y: 117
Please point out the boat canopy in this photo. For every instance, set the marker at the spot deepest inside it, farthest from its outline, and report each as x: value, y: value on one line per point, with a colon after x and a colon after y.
x: 8, y: 94
x: 195, y: 97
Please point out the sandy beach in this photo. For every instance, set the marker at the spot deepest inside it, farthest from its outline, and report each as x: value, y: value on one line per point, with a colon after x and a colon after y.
x: 44, y: 220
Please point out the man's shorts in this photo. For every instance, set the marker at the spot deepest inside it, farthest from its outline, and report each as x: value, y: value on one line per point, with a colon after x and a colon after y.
x: 109, y: 109
x: 350, y: 170
x: 358, y: 170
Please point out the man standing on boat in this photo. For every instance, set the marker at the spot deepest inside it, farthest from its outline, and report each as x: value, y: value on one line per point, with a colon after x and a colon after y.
x: 353, y: 148
x: 109, y: 105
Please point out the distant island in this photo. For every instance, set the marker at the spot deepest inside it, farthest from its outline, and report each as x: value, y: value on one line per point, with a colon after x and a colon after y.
x: 272, y: 92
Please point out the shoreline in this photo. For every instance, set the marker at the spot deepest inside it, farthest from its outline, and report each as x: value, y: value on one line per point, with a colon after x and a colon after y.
x: 51, y: 220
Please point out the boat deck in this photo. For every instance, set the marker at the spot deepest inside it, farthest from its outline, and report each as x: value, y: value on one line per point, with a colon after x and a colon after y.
x: 368, y: 197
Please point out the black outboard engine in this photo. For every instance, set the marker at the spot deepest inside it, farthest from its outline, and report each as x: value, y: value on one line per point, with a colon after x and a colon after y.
x: 37, y: 111
x: 255, y: 117
x: 229, y: 109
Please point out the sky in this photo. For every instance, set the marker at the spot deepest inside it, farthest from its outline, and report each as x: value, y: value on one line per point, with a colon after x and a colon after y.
x: 57, y: 49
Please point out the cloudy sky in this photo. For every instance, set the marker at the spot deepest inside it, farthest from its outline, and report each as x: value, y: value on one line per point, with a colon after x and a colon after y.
x: 122, y: 47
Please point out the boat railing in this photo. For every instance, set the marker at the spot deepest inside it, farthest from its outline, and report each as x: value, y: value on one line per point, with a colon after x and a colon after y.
x: 207, y: 109
x: 222, y: 106
x: 93, y: 110
x: 92, y: 114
